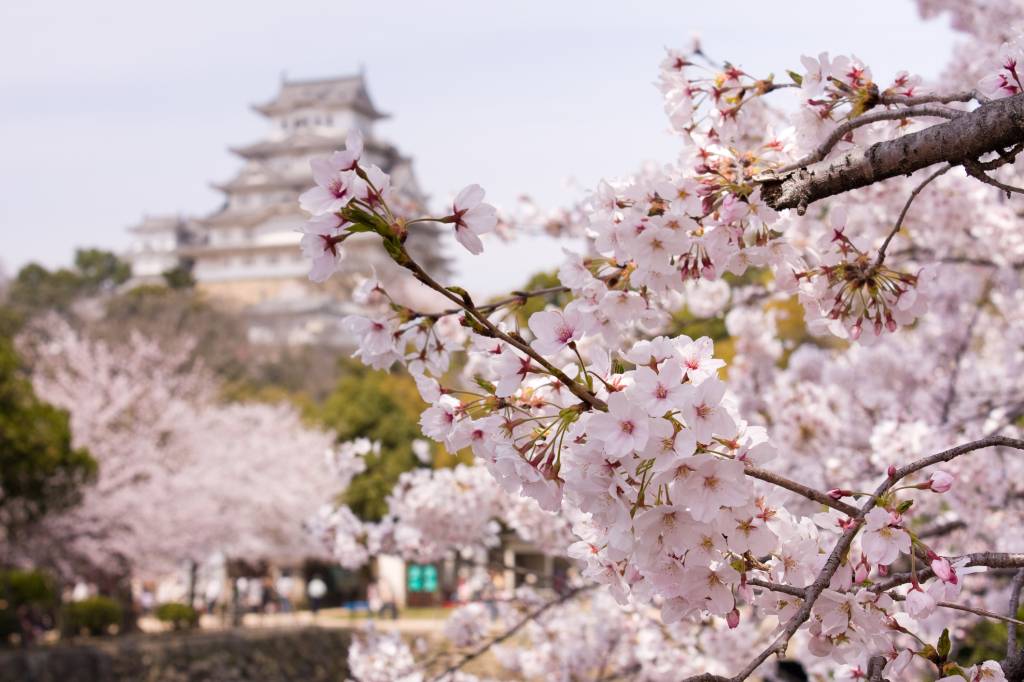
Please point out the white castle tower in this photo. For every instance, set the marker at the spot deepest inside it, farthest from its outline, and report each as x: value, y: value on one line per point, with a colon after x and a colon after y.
x: 246, y: 253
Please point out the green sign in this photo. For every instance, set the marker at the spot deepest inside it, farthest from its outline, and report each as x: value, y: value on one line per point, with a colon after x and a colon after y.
x: 422, y: 578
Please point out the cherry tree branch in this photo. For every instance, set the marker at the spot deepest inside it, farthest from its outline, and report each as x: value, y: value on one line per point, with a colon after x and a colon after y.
x: 800, y: 592
x: 952, y: 453
x: 517, y: 297
x: 842, y: 546
x: 800, y: 489
x: 975, y: 170
x: 987, y: 559
x: 492, y: 330
x: 847, y: 127
x: 1011, y: 630
x: 907, y: 100
x: 993, y: 126
x: 903, y: 214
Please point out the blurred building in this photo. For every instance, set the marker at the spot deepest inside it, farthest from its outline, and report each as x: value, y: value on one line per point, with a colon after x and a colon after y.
x: 246, y: 254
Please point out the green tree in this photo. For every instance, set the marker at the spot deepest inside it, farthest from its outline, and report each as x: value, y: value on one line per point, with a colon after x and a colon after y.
x: 383, y: 407
x: 40, y: 470
x: 35, y: 289
x: 180, y: 276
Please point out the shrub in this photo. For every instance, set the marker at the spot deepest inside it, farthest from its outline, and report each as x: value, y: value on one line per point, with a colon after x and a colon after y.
x: 180, y: 616
x: 94, y: 616
x: 20, y: 590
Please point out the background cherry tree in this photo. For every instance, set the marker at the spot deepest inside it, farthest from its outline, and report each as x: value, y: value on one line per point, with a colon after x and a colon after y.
x: 846, y: 491
x: 181, y: 474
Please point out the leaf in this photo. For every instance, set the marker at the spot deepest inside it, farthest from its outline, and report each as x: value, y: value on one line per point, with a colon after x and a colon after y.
x: 484, y: 384
x: 944, y: 644
x: 797, y: 78
x: 928, y: 652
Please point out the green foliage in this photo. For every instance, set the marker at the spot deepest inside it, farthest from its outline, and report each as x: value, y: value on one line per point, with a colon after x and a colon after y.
x: 984, y: 640
x: 179, y: 616
x: 35, y: 288
x: 541, y: 280
x: 383, y: 407
x: 40, y: 470
x: 180, y: 276
x: 20, y: 590
x: 94, y: 616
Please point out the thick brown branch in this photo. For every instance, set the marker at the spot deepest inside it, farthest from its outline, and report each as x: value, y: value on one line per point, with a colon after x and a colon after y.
x: 991, y: 127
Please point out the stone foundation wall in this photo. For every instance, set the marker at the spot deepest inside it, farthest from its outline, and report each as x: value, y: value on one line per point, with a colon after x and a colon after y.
x: 292, y: 655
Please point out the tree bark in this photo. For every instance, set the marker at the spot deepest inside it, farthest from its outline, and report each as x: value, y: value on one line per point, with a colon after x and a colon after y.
x: 994, y: 126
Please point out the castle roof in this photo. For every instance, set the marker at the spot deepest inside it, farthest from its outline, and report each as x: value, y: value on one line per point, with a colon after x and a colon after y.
x: 342, y: 92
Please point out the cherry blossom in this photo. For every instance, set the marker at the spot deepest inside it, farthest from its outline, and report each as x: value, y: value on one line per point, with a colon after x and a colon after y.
x: 472, y: 218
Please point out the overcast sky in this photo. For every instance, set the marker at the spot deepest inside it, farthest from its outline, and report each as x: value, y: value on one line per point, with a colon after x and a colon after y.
x: 112, y: 109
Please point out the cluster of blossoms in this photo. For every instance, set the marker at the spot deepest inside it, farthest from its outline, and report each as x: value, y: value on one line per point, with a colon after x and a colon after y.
x: 850, y: 288
x: 619, y: 426
x: 349, y: 193
x: 426, y: 516
x: 1003, y: 79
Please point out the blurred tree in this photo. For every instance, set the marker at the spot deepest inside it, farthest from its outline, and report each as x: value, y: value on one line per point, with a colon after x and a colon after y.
x: 35, y: 289
x: 541, y: 280
x: 180, y: 277
x: 383, y: 407
x: 250, y: 371
x: 40, y: 470
x: 162, y: 313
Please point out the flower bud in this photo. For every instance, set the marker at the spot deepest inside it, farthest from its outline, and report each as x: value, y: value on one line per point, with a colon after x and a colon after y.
x: 892, y: 471
x: 940, y: 482
x: 943, y: 570
x: 839, y: 493
x: 733, y: 618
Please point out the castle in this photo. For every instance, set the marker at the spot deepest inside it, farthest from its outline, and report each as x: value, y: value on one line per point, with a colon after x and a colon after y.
x: 246, y: 254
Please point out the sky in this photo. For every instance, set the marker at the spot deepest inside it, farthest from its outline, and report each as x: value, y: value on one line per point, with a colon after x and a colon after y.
x: 114, y: 109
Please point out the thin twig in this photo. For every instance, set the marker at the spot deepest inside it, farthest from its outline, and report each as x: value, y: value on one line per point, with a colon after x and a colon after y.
x: 988, y: 559
x: 907, y: 100
x: 975, y: 170
x: 1011, y: 629
x: 941, y: 529
x: 903, y: 213
x: 979, y: 612
x: 532, y: 615
x: 800, y: 592
x: 952, y: 453
x: 800, y: 489
x: 492, y: 330
x: 845, y: 128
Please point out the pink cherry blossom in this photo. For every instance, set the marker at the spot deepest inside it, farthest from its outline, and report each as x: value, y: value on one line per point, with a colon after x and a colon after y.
x: 472, y: 218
